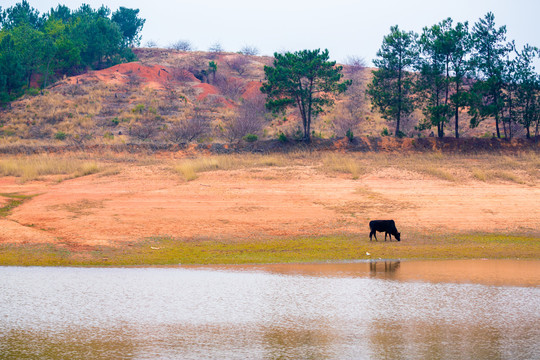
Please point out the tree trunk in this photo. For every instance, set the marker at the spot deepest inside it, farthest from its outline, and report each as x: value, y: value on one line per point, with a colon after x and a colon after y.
x: 47, y: 74
x: 537, y: 128
x: 29, y: 81
x: 457, y: 122
x: 496, y: 100
x: 456, y: 125
x: 398, y: 120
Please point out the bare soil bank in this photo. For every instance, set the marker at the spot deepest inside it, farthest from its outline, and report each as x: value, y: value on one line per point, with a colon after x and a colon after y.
x: 141, y: 198
x: 360, y: 144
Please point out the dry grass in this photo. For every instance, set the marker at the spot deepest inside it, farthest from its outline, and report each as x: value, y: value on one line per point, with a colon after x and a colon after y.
x: 35, y: 167
x: 344, y: 164
x: 190, y: 168
x: 521, y: 168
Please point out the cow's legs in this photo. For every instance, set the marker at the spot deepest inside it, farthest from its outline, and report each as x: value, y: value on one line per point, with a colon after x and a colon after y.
x: 373, y: 233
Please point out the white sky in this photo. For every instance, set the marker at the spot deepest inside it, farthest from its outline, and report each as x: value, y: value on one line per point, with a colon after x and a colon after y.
x: 344, y: 27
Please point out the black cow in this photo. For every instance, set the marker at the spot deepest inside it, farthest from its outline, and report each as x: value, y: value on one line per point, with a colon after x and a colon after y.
x: 388, y: 226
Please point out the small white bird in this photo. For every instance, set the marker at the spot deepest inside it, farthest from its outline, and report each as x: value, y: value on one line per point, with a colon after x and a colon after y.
x: 368, y: 254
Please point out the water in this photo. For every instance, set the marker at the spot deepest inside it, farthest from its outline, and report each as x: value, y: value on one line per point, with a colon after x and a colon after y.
x: 407, y: 310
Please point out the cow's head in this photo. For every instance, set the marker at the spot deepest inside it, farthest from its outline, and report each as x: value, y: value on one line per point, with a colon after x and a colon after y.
x: 398, y: 236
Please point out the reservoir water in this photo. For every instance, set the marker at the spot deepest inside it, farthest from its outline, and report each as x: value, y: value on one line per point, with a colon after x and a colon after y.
x: 369, y: 310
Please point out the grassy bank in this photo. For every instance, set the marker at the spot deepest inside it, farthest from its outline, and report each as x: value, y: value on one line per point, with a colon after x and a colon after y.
x: 169, y: 251
x: 35, y: 167
x: 522, y: 168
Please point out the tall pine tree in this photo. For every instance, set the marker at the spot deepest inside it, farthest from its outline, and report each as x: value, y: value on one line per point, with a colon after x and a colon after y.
x: 488, y: 60
x: 392, y: 85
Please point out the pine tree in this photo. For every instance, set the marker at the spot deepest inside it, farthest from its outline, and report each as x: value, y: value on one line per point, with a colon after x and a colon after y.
x: 392, y: 85
x: 306, y: 79
x: 488, y: 60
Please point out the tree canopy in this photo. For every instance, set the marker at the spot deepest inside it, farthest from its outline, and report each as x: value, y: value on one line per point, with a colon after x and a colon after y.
x: 450, y: 68
x: 304, y: 79
x: 42, y: 48
x: 392, y: 86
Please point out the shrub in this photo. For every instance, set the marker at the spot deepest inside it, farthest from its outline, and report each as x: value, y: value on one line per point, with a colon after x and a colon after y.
x: 146, y: 129
x: 230, y: 87
x: 39, y: 131
x: 238, y: 64
x: 251, y: 138
x: 60, y: 135
x: 282, y: 137
x: 190, y: 129
x: 401, y: 134
x: 138, y: 109
x: 249, y: 120
x: 350, y: 135
x: 344, y: 123
x: 385, y: 132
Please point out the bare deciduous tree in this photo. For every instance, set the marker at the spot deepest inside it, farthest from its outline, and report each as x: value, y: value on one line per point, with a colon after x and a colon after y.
x: 352, y: 109
x: 145, y: 129
x: 249, y: 50
x: 190, y: 129
x: 151, y: 44
x: 344, y: 125
x: 249, y: 120
x: 182, y: 75
x: 355, y: 64
x: 232, y: 88
x: 238, y: 64
x: 182, y: 45
x: 216, y: 48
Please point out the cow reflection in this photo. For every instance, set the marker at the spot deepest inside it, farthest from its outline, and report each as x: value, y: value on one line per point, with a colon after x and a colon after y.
x: 386, y: 267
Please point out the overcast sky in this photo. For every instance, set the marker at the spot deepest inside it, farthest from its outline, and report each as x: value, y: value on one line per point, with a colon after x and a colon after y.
x: 344, y: 27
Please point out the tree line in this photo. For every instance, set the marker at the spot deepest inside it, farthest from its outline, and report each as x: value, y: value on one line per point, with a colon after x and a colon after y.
x: 449, y: 68
x: 41, y: 48
x: 442, y: 72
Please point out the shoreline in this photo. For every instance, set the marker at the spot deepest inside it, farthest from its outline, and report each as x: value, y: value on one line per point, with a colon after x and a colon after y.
x: 317, y: 250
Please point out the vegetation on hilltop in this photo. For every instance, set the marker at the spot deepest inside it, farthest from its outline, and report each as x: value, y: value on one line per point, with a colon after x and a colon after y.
x: 38, y: 49
x: 449, y: 68
x: 425, y: 85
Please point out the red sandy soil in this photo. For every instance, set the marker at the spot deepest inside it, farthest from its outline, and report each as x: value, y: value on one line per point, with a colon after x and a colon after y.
x: 206, y: 89
x: 253, y: 89
x: 153, y: 76
x: 257, y: 204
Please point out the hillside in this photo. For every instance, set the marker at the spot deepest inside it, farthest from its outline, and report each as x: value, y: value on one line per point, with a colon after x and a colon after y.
x: 166, y: 97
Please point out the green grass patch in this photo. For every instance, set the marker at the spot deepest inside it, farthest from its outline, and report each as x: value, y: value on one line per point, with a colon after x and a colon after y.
x: 14, y: 200
x: 171, y: 251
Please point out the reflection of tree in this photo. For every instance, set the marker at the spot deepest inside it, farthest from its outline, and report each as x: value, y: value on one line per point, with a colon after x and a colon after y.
x: 429, y: 340
x: 81, y: 344
x: 297, y: 343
